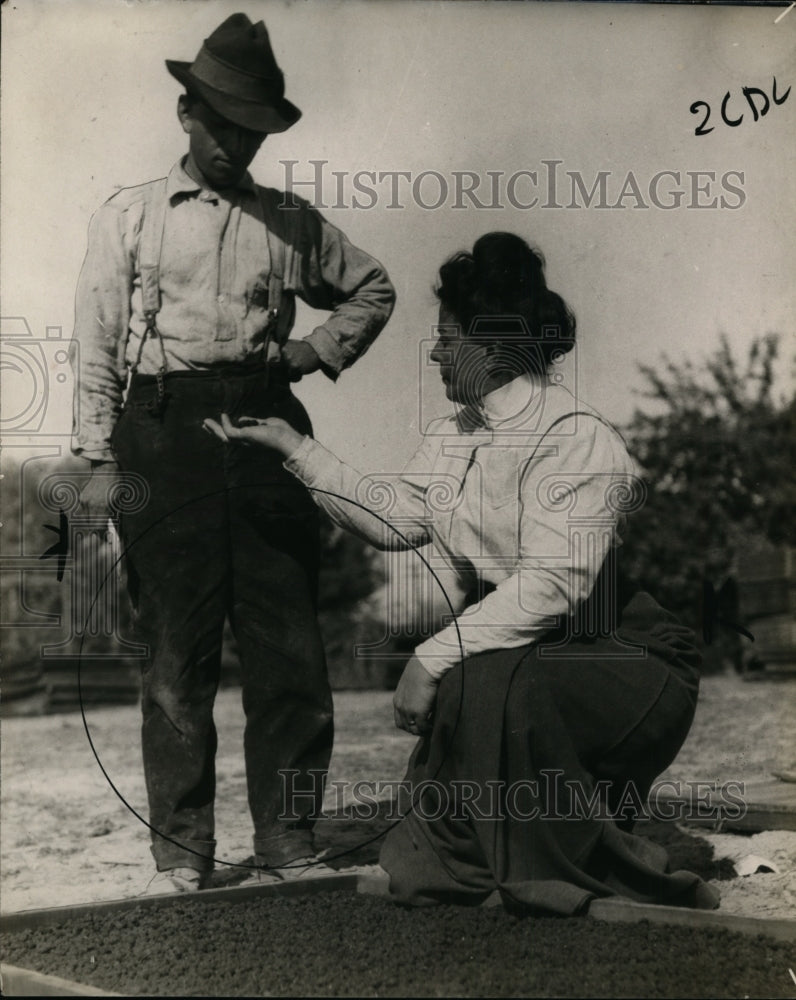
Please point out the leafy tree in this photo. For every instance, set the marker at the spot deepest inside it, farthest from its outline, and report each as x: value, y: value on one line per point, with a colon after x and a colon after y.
x: 716, y: 447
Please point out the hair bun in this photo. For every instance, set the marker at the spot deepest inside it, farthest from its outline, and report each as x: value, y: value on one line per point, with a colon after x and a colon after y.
x: 504, y: 261
x: 504, y: 277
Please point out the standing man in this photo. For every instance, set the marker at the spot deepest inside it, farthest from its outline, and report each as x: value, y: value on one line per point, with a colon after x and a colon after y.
x: 184, y: 307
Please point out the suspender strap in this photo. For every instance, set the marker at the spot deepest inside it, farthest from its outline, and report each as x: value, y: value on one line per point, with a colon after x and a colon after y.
x: 149, y: 250
x: 150, y: 243
x: 276, y: 283
x: 281, y: 302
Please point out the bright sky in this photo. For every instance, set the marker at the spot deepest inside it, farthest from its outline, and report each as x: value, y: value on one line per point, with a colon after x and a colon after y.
x: 490, y: 88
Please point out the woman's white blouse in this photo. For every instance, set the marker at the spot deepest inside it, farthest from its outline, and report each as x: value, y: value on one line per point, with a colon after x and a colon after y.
x: 527, y: 493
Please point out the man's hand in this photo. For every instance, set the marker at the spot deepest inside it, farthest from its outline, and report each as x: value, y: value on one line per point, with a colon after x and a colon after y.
x: 96, y: 495
x: 270, y: 433
x: 299, y: 359
x: 413, y: 702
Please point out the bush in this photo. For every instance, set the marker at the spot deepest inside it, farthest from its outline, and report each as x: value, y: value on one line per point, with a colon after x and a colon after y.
x: 38, y: 609
x: 716, y: 449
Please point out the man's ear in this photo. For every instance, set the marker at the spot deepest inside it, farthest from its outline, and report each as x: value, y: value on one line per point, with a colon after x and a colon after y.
x: 184, y: 112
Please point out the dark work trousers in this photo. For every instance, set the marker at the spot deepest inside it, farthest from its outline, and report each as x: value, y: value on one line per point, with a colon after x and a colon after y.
x: 227, y: 531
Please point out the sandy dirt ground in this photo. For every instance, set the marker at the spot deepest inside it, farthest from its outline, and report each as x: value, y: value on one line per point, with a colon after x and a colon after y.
x: 67, y: 837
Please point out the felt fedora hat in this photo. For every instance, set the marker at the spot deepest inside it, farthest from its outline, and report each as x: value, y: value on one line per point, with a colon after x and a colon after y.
x: 237, y: 75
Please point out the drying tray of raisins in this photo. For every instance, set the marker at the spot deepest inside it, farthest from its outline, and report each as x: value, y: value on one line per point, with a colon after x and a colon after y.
x: 341, y: 936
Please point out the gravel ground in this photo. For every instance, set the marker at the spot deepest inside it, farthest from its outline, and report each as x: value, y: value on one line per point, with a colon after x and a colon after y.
x: 67, y: 838
x: 339, y: 944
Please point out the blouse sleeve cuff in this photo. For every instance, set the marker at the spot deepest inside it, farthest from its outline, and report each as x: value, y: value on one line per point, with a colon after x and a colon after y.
x: 437, y: 657
x: 307, y: 461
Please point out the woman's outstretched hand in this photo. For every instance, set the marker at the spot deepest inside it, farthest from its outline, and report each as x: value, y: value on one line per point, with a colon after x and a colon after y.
x: 413, y: 703
x: 273, y: 432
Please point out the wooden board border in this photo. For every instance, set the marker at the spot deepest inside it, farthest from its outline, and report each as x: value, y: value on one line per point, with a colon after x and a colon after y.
x: 18, y: 981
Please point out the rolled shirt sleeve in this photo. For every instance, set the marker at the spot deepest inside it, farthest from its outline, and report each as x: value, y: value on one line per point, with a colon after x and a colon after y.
x: 336, y: 275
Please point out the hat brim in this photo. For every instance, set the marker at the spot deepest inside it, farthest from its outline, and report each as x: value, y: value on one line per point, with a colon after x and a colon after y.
x: 249, y: 114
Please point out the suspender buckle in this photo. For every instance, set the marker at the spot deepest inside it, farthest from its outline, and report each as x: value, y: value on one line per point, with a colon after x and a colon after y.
x: 158, y: 405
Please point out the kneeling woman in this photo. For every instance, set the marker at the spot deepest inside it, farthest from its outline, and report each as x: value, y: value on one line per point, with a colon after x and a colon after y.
x: 550, y: 703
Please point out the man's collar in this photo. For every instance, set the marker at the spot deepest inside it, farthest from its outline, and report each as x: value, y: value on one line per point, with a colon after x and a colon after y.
x: 180, y: 182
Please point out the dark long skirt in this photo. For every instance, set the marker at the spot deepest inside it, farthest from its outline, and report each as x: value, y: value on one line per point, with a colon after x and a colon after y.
x: 538, y: 760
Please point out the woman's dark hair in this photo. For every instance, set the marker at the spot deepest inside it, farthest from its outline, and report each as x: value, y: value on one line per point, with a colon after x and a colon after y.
x: 499, y: 293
